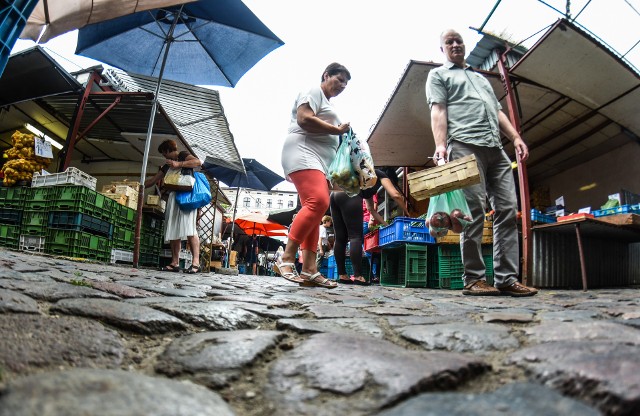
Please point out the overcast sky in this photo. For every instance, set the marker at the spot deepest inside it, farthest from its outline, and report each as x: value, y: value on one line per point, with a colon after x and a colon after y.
x: 375, y: 40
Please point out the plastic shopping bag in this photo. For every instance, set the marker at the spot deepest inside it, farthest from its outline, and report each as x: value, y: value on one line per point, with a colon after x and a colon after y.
x: 199, y: 196
x: 341, y: 172
x: 448, y: 211
x: 361, y: 161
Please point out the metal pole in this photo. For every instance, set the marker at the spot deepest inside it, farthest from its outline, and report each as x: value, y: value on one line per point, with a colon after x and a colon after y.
x: 233, y: 224
x: 147, y: 144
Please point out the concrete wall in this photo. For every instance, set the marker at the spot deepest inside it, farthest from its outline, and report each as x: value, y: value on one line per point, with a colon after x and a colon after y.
x: 605, y: 175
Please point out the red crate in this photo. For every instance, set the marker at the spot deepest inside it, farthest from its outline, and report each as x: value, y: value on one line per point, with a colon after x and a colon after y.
x: 372, y: 242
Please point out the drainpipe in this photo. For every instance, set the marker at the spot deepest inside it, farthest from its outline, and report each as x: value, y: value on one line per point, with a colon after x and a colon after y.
x: 523, y: 180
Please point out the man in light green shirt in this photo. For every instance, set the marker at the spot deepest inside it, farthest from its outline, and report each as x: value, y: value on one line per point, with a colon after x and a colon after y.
x: 466, y: 118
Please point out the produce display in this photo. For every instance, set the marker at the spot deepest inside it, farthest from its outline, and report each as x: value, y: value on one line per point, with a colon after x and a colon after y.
x: 22, y: 159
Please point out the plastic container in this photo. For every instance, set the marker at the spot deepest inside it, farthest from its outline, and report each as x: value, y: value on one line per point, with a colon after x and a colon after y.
x: 10, y: 216
x: 121, y: 256
x: 71, y: 176
x: 404, y: 266
x: 13, y: 19
x: 537, y: 216
x: 372, y: 241
x: 9, y: 235
x: 622, y: 209
x: 33, y: 243
x: 405, y: 230
x: 12, y: 198
x: 80, y: 222
x: 77, y: 244
x: 450, y: 267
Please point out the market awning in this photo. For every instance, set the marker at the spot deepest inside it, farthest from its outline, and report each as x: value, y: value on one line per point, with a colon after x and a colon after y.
x: 567, y: 117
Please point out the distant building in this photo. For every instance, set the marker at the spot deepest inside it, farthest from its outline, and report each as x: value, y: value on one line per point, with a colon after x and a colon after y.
x: 251, y: 200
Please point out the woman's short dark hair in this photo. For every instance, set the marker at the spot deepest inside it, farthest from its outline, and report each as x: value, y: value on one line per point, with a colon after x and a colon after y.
x: 167, y: 146
x: 335, y: 69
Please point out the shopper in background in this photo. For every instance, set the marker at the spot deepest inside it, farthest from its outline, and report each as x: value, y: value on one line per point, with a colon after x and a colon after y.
x: 252, y: 253
x: 466, y: 118
x: 324, y: 246
x: 348, y: 215
x: 179, y: 224
x: 308, y: 150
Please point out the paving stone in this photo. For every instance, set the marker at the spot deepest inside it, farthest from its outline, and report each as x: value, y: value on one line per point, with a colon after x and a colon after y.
x: 137, y: 318
x: 397, y: 321
x: 272, y: 313
x: 605, y: 374
x: 569, y: 315
x: 11, y: 301
x: 164, y: 288
x: 215, y: 358
x: 307, y: 380
x: 31, y: 342
x: 120, y: 290
x: 254, y: 299
x: 55, y: 291
x: 461, y: 337
x: 509, y: 315
x: 517, y: 399
x: 598, y: 330
x: 391, y: 310
x: 108, y: 392
x: 367, y: 326
x: 337, y: 311
x: 212, y: 315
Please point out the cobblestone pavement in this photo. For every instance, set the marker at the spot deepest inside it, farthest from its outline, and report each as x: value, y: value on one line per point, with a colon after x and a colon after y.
x: 80, y: 338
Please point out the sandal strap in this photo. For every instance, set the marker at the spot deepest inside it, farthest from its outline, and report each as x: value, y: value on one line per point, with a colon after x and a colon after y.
x: 314, y: 277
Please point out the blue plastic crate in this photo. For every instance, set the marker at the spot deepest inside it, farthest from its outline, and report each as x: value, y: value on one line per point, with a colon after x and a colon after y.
x: 405, y: 230
x: 622, y: 209
x: 537, y: 216
x: 13, y: 18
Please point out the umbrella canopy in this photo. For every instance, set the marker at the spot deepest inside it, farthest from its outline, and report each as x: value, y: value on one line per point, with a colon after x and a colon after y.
x: 258, y: 224
x: 284, y: 216
x: 256, y: 175
x: 52, y: 18
x: 204, y: 42
x: 209, y: 42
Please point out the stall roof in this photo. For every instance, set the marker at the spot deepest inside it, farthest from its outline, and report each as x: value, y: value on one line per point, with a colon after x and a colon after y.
x: 578, y: 100
x: 120, y: 135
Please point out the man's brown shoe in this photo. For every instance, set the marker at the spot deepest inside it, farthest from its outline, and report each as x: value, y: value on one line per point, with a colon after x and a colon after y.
x: 517, y: 289
x: 480, y: 288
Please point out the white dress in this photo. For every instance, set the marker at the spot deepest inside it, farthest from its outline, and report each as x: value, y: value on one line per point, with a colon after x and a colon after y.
x: 178, y: 224
x: 303, y: 150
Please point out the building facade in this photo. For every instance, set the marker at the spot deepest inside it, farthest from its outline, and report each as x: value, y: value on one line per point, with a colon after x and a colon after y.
x: 251, y: 200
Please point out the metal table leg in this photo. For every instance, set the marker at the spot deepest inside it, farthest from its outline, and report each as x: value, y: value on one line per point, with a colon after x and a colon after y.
x: 583, y: 268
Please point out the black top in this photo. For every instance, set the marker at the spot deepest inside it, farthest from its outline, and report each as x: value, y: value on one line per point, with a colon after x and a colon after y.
x: 370, y: 192
x: 182, y: 156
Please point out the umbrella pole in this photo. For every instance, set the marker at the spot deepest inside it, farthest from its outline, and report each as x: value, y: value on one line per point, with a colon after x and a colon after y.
x: 147, y: 143
x: 233, y: 223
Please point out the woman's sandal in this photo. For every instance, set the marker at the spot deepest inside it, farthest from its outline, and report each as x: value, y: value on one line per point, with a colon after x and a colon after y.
x: 291, y: 276
x: 192, y: 270
x: 170, y: 268
x: 360, y: 282
x: 318, y: 280
x: 346, y: 281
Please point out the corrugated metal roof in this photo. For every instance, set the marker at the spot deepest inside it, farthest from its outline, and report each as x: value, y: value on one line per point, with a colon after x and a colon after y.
x: 196, y: 112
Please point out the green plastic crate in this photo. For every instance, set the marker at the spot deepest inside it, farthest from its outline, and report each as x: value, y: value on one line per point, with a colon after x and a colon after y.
x: 38, y: 199
x: 35, y: 222
x: 77, y: 244
x: 404, y: 266
x: 82, y: 199
x: 13, y: 198
x: 451, y: 269
x: 123, y: 238
x: 9, y: 235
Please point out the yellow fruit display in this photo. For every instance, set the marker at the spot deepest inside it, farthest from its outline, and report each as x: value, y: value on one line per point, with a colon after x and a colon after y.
x: 22, y: 159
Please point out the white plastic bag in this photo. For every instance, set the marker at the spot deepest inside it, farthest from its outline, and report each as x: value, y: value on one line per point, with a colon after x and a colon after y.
x: 361, y: 161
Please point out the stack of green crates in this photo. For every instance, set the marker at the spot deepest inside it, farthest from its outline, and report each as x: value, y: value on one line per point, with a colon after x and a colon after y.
x: 404, y: 266
x: 11, y: 214
x: 151, y: 239
x: 450, y: 267
x: 88, y: 239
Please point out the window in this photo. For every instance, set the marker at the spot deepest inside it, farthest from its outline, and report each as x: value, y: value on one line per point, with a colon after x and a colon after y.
x: 246, y: 202
x: 258, y: 203
x: 280, y: 204
x: 269, y: 203
x: 290, y: 204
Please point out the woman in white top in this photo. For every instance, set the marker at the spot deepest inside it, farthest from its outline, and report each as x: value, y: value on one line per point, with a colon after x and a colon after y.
x: 308, y: 150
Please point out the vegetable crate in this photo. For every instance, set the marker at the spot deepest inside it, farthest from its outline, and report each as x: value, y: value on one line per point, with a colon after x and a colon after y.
x: 622, y: 209
x: 71, y: 176
x: 83, y: 200
x: 440, y: 179
x: 10, y: 216
x: 450, y: 267
x: 73, y: 243
x: 12, y: 198
x: 453, y: 238
x: 34, y: 222
x: 404, y: 266
x: 33, y: 243
x: 80, y: 222
x: 9, y: 235
x: 537, y: 216
x: 121, y: 256
x: 372, y: 241
x: 405, y: 230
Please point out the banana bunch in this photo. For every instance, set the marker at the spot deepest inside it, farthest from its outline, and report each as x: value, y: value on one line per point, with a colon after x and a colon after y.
x: 22, y: 159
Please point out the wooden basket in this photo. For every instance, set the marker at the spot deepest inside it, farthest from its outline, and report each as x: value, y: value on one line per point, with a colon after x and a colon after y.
x: 448, y: 177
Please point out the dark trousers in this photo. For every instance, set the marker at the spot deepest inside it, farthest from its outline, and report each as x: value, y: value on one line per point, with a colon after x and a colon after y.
x: 347, y: 214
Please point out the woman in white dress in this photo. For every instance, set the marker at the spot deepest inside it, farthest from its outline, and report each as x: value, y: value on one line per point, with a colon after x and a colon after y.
x: 179, y: 225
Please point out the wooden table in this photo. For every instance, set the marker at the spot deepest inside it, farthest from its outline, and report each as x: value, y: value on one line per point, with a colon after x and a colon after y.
x: 623, y: 228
